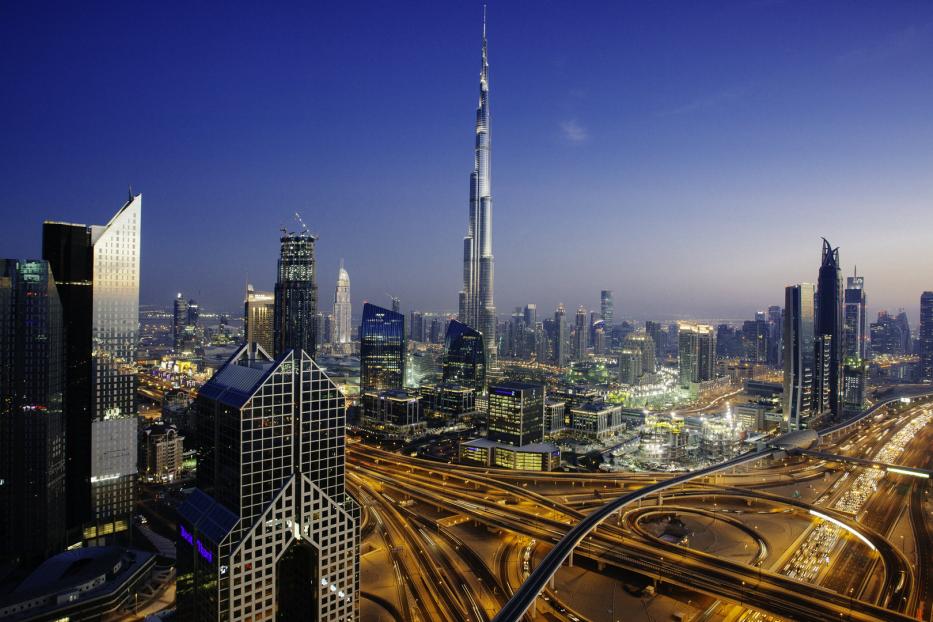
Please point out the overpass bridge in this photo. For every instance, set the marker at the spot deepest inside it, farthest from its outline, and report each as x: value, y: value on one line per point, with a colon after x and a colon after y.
x: 523, y: 598
x: 883, y: 466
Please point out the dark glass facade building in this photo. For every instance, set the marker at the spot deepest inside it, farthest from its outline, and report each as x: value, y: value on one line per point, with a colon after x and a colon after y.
x: 382, y: 349
x: 799, y: 355
x: 464, y: 356
x: 856, y: 337
x: 270, y: 532
x: 829, y: 332
x: 516, y: 413
x: 96, y: 270
x: 296, y: 295
x: 926, y: 336
x: 32, y: 426
x: 853, y: 386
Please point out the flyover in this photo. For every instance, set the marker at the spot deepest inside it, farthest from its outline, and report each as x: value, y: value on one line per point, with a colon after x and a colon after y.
x: 523, y: 598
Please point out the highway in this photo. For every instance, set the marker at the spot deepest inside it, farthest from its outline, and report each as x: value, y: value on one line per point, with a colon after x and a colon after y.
x: 441, y: 577
x: 561, y: 514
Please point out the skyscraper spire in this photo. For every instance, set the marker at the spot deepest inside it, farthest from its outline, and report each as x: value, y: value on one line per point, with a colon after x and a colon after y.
x: 477, y: 308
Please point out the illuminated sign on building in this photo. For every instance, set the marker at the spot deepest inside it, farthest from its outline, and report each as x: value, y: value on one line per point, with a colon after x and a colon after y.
x: 202, y: 550
x: 205, y: 553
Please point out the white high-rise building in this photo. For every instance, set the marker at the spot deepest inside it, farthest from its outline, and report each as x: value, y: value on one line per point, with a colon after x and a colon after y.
x: 477, y: 308
x: 97, y: 271
x: 342, y: 308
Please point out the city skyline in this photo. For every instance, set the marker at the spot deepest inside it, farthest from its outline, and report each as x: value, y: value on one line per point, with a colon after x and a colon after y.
x: 616, y: 167
x: 243, y: 446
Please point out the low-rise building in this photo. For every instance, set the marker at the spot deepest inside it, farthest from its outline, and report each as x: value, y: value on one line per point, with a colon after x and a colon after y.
x: 394, y: 413
x: 597, y: 421
x: 530, y: 457
x: 449, y: 398
x: 554, y: 416
x: 83, y: 584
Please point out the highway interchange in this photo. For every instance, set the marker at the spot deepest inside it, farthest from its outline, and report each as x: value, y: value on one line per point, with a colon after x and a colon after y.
x: 459, y: 541
x: 418, y: 513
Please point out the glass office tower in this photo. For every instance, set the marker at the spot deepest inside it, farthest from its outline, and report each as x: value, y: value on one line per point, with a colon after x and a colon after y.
x: 799, y: 355
x: 464, y: 356
x: 96, y: 269
x: 606, y: 307
x: 296, y: 294
x: 258, y: 312
x: 856, y: 338
x: 382, y: 349
x: 926, y: 336
x: 828, y: 331
x: 32, y: 426
x: 696, y: 353
x: 270, y: 532
x: 516, y: 413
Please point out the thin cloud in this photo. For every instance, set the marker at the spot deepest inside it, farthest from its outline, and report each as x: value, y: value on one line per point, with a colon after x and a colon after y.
x: 573, y: 132
x: 903, y: 42
x: 707, y: 102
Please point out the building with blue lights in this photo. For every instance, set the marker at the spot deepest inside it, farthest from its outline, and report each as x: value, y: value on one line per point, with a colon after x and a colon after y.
x: 382, y: 349
x: 464, y: 356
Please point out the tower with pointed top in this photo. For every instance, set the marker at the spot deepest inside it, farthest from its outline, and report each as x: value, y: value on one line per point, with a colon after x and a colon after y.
x: 342, y: 308
x: 828, y: 336
x: 477, y: 308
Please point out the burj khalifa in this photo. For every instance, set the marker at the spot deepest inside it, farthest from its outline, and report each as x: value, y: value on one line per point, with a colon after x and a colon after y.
x: 477, y: 308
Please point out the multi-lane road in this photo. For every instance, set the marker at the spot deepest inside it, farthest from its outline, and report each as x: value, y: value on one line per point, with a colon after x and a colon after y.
x: 533, y: 507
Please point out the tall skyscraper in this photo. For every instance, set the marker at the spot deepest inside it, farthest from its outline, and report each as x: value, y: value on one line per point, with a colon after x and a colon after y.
x: 258, y: 317
x: 382, y: 349
x: 342, y: 309
x: 581, y: 335
x: 855, y: 344
x: 296, y: 294
x: 270, y: 532
x: 477, y: 308
x: 903, y: 325
x: 531, y: 315
x: 776, y: 328
x: 829, y: 327
x: 194, y: 312
x: 696, y: 354
x: 96, y: 269
x: 32, y: 424
x: 561, y: 337
x: 464, y: 356
x: 799, y: 355
x: 653, y: 329
x: 179, y: 321
x: 926, y: 336
x: 644, y: 345
x: 606, y: 307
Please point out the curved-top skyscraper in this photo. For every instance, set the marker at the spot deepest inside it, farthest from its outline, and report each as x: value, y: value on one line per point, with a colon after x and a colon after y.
x: 477, y: 308
x: 342, y: 308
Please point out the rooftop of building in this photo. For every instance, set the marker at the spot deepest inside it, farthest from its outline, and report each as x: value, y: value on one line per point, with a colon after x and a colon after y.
x: 399, y: 395
x: 65, y: 574
x: 515, y: 385
x: 537, y: 448
x: 596, y: 406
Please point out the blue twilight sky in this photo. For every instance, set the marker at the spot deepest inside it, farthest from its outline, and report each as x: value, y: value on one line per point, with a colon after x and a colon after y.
x: 688, y: 155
